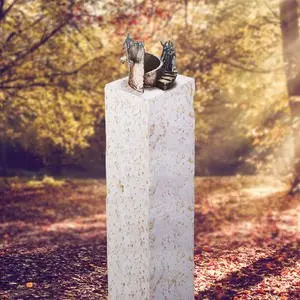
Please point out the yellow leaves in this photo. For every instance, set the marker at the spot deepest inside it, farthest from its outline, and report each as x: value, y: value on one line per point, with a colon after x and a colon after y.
x: 256, y: 141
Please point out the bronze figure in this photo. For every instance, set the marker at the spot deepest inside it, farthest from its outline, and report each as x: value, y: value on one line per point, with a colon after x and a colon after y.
x: 148, y: 70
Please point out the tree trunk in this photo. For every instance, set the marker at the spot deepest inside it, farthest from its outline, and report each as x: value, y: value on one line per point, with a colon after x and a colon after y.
x: 53, y: 162
x: 295, y: 110
x: 186, y: 6
x: 291, y: 54
x: 3, y: 157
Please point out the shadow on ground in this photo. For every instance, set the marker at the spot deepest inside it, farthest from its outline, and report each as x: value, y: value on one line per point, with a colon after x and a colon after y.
x: 287, y: 256
x: 53, y: 241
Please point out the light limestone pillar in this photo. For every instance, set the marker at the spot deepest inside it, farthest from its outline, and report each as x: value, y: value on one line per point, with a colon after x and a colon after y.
x: 150, y: 191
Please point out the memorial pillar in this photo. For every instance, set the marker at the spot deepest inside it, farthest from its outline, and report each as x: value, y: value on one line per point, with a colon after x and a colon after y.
x: 150, y: 162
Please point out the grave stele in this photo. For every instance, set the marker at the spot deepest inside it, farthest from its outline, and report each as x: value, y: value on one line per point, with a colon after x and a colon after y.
x: 150, y: 160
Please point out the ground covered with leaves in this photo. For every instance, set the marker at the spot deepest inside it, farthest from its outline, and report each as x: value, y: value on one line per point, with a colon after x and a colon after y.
x: 53, y: 239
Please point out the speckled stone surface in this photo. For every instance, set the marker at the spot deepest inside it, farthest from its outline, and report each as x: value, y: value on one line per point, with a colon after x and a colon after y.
x: 150, y: 191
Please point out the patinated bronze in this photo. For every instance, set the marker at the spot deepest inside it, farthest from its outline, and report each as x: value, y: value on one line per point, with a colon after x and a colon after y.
x: 148, y: 70
x: 168, y: 58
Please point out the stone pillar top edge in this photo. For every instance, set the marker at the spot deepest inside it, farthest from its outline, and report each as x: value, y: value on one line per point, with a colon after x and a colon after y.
x: 149, y: 93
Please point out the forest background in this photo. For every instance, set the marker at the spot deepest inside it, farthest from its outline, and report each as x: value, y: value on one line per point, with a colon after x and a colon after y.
x: 57, y: 56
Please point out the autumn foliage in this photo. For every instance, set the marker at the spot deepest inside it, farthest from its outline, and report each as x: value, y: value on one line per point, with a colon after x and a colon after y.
x: 55, y: 59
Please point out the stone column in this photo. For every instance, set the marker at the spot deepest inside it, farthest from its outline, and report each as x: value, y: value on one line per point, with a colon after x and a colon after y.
x: 150, y: 191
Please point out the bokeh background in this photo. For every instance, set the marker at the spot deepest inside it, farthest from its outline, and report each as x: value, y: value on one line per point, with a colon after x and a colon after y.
x: 57, y: 56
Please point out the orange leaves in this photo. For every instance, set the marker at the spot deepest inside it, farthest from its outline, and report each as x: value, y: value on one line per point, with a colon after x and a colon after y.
x: 142, y: 18
x: 270, y: 266
x: 29, y: 284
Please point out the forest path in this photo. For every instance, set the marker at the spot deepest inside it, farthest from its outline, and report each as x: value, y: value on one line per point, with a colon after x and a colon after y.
x: 53, y: 239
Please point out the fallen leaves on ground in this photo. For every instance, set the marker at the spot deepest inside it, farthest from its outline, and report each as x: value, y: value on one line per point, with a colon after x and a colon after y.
x: 53, y: 240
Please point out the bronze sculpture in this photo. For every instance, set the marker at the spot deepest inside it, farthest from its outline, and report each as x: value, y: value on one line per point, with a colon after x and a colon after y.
x: 148, y: 70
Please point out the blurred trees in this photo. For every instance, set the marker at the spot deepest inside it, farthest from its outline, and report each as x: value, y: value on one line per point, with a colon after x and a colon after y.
x: 55, y: 59
x: 49, y: 90
x: 233, y: 48
x: 289, y: 21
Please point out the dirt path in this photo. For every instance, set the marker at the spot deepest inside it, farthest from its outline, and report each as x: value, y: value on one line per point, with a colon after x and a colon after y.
x: 53, y: 240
